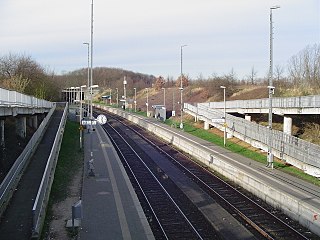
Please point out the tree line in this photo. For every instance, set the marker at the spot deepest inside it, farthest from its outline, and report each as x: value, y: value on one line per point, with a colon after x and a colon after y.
x: 23, y: 74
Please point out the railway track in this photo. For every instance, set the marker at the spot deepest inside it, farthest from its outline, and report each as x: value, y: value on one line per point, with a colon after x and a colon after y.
x: 164, y: 200
x: 261, y: 218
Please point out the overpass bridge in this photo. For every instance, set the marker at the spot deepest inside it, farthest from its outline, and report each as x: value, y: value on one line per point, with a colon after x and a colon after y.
x: 23, y: 108
x: 302, y: 154
x: 286, y: 107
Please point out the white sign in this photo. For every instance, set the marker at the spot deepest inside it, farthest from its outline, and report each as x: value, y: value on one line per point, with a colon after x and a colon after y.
x: 88, y: 122
x: 102, y: 119
x: 173, y: 113
x: 218, y: 120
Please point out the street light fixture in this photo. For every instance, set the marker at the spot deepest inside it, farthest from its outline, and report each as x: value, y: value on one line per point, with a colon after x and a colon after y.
x: 88, y: 72
x: 224, y: 115
x: 91, y: 67
x: 110, y: 95
x: 181, y: 86
x: 124, y: 91
x: 135, y: 99
x: 81, y: 115
x: 72, y: 95
x: 147, y: 102
x: 271, y: 92
x: 117, y: 97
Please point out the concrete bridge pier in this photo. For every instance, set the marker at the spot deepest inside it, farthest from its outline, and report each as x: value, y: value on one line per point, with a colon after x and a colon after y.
x: 33, y: 121
x: 2, y: 142
x: 206, y: 125
x: 21, y: 126
x: 247, y: 117
x: 287, y: 125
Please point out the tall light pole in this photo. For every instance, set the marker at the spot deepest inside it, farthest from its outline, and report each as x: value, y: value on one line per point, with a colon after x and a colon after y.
x: 124, y: 91
x: 224, y: 115
x: 271, y: 92
x: 181, y: 86
x: 164, y: 96
x: 135, y: 99
x: 117, y: 97
x: 110, y: 95
x: 88, y: 74
x: 72, y: 94
x: 147, y: 103
x: 81, y: 115
x: 91, y: 69
x: 173, y: 107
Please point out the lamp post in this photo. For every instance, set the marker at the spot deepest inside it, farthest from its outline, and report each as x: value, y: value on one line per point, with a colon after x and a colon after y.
x: 76, y: 89
x: 173, y: 101
x: 81, y: 115
x: 164, y: 96
x: 72, y: 94
x: 91, y: 69
x: 110, y: 95
x: 124, y: 91
x: 224, y: 115
x: 88, y: 72
x: 69, y: 95
x: 271, y: 92
x: 181, y: 86
x: 117, y: 97
x: 135, y: 99
x: 147, y: 102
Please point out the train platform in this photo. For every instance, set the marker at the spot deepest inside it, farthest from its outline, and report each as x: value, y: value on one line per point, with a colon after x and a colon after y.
x: 110, y: 207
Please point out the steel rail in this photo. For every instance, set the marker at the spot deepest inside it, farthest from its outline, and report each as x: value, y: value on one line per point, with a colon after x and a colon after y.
x: 163, y: 188
x: 241, y: 214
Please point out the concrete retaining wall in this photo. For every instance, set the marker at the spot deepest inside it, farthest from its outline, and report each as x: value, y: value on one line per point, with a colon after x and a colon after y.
x: 298, y: 209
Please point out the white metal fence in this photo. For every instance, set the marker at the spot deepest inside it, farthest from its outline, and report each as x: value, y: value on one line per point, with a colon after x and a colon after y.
x: 290, y: 102
x: 10, y: 98
x: 294, y: 147
x: 12, y: 178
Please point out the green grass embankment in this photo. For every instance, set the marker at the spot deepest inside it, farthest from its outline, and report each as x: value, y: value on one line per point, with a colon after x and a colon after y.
x: 69, y: 163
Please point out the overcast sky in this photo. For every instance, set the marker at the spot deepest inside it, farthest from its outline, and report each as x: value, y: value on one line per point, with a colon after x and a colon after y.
x: 145, y: 35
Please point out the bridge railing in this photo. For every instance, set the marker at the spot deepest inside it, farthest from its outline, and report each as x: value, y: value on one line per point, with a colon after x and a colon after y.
x: 13, y: 176
x: 285, y: 144
x: 289, y: 102
x: 10, y: 98
x: 41, y: 201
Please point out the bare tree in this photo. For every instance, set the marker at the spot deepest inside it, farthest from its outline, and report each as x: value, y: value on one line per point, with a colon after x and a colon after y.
x: 278, y: 72
x: 185, y: 81
x: 304, y: 68
x: 16, y: 83
x: 252, y: 76
x: 159, y: 83
x: 231, y: 76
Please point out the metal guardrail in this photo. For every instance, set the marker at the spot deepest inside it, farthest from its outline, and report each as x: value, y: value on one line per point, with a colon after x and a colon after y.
x: 12, y: 179
x: 289, y: 102
x: 41, y: 202
x: 291, y: 146
x: 10, y: 98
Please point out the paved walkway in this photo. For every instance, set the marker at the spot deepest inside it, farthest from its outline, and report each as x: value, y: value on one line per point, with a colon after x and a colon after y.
x: 111, y: 209
x: 17, y: 220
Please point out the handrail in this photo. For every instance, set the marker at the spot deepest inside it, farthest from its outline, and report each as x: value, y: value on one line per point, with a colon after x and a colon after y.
x: 285, y: 144
x: 41, y: 201
x: 13, y: 176
x: 9, y: 98
x: 312, y: 101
